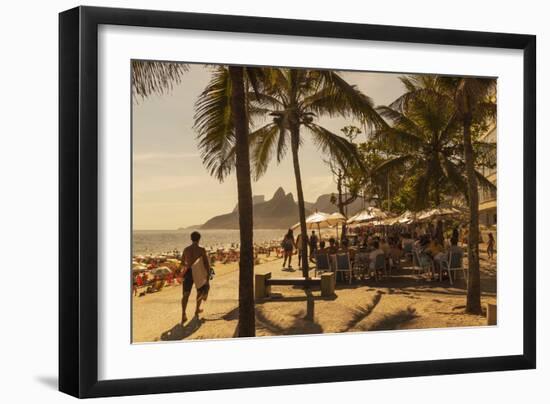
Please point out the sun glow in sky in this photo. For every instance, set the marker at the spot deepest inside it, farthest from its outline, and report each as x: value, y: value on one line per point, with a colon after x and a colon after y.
x: 172, y: 188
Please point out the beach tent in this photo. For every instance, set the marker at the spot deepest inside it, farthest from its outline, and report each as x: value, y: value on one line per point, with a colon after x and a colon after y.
x: 437, y: 213
x: 317, y: 220
x: 406, y: 217
x: 369, y: 214
x: 336, y: 219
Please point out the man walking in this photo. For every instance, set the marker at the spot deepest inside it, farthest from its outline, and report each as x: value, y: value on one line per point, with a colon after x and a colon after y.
x: 191, y: 254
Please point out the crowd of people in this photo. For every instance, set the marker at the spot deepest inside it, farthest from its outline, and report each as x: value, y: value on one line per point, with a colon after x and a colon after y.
x: 429, y: 241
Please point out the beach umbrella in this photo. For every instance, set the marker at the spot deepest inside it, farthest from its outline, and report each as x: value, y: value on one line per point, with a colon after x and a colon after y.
x: 336, y: 219
x: 161, y: 271
x: 317, y: 220
x: 138, y: 267
x: 405, y: 218
x: 368, y: 215
x: 436, y: 213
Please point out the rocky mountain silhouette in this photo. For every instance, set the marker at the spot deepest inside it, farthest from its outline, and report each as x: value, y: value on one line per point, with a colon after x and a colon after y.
x: 280, y: 212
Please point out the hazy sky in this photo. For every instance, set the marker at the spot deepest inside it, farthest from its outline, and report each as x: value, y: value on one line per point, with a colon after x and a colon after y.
x: 171, y: 187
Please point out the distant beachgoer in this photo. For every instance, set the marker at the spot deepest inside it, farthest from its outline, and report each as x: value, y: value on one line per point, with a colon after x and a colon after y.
x: 190, y: 254
x: 135, y: 284
x: 313, y: 240
x: 455, y: 234
x: 288, y: 245
x: 332, y: 248
x: 299, y: 247
x: 322, y: 249
x: 490, y: 246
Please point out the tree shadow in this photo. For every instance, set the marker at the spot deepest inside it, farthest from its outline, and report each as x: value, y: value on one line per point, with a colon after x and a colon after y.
x: 282, y: 298
x: 303, y: 323
x: 360, y: 313
x: 179, y: 332
x: 392, y: 321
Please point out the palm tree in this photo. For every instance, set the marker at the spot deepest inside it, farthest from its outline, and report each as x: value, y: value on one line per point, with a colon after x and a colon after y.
x: 222, y: 123
x: 472, y: 104
x: 294, y: 98
x: 424, y: 142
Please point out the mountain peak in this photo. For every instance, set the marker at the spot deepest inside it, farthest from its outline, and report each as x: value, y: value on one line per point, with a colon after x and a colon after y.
x: 279, y: 193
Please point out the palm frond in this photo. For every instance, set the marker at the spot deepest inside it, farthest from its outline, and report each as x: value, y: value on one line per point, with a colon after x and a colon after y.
x: 214, y: 125
x: 335, y: 96
x: 454, y: 175
x: 484, y: 183
x: 336, y: 146
x: 393, y: 163
x: 150, y: 77
x: 263, y: 144
x: 401, y: 121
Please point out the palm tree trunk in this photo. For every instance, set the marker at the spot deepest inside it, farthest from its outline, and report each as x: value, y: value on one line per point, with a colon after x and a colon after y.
x: 341, y: 205
x: 295, y: 140
x: 246, y: 326
x: 473, y: 301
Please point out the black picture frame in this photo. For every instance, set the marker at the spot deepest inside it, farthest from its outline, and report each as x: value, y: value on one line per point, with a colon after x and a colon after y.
x: 78, y: 201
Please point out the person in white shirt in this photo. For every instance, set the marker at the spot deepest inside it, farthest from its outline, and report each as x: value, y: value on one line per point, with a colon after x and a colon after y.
x: 374, y: 253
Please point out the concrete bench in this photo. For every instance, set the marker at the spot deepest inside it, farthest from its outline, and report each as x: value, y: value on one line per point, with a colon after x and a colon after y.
x: 263, y: 283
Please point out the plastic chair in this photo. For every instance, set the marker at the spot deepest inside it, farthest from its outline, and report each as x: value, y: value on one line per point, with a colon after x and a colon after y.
x: 453, y: 264
x: 343, y: 264
x: 321, y: 263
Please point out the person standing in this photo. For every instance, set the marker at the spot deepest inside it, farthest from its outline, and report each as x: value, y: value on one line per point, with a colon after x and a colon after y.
x: 190, y: 255
x: 313, y: 240
x: 288, y: 245
x: 490, y: 246
x: 300, y: 246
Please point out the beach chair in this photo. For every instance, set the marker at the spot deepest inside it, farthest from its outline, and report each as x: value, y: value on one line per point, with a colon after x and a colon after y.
x: 322, y: 263
x: 361, y: 264
x: 421, y: 263
x: 408, y: 250
x: 453, y: 264
x: 343, y: 264
x: 332, y: 262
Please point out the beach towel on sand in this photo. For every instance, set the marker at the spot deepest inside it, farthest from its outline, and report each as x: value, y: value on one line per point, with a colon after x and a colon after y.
x: 200, y: 274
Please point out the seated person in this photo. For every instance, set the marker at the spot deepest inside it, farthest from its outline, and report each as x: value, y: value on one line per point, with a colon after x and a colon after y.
x: 455, y: 248
x: 384, y: 246
x: 332, y: 248
x: 433, y: 248
x: 374, y: 253
x: 344, y: 248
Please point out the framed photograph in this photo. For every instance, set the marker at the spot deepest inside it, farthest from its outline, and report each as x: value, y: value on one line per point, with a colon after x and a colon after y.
x: 251, y: 201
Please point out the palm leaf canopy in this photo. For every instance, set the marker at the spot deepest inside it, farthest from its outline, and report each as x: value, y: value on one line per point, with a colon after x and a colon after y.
x: 296, y: 98
x: 152, y: 77
x: 214, y: 124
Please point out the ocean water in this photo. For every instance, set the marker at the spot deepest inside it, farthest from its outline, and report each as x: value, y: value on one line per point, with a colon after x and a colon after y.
x: 159, y: 241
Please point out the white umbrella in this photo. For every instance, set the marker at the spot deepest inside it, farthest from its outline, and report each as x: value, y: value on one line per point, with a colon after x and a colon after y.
x: 405, y: 218
x: 430, y: 214
x: 367, y: 215
x: 315, y: 220
x: 336, y: 219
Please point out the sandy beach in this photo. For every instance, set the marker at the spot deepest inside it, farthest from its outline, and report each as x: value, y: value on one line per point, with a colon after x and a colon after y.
x: 403, y: 301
